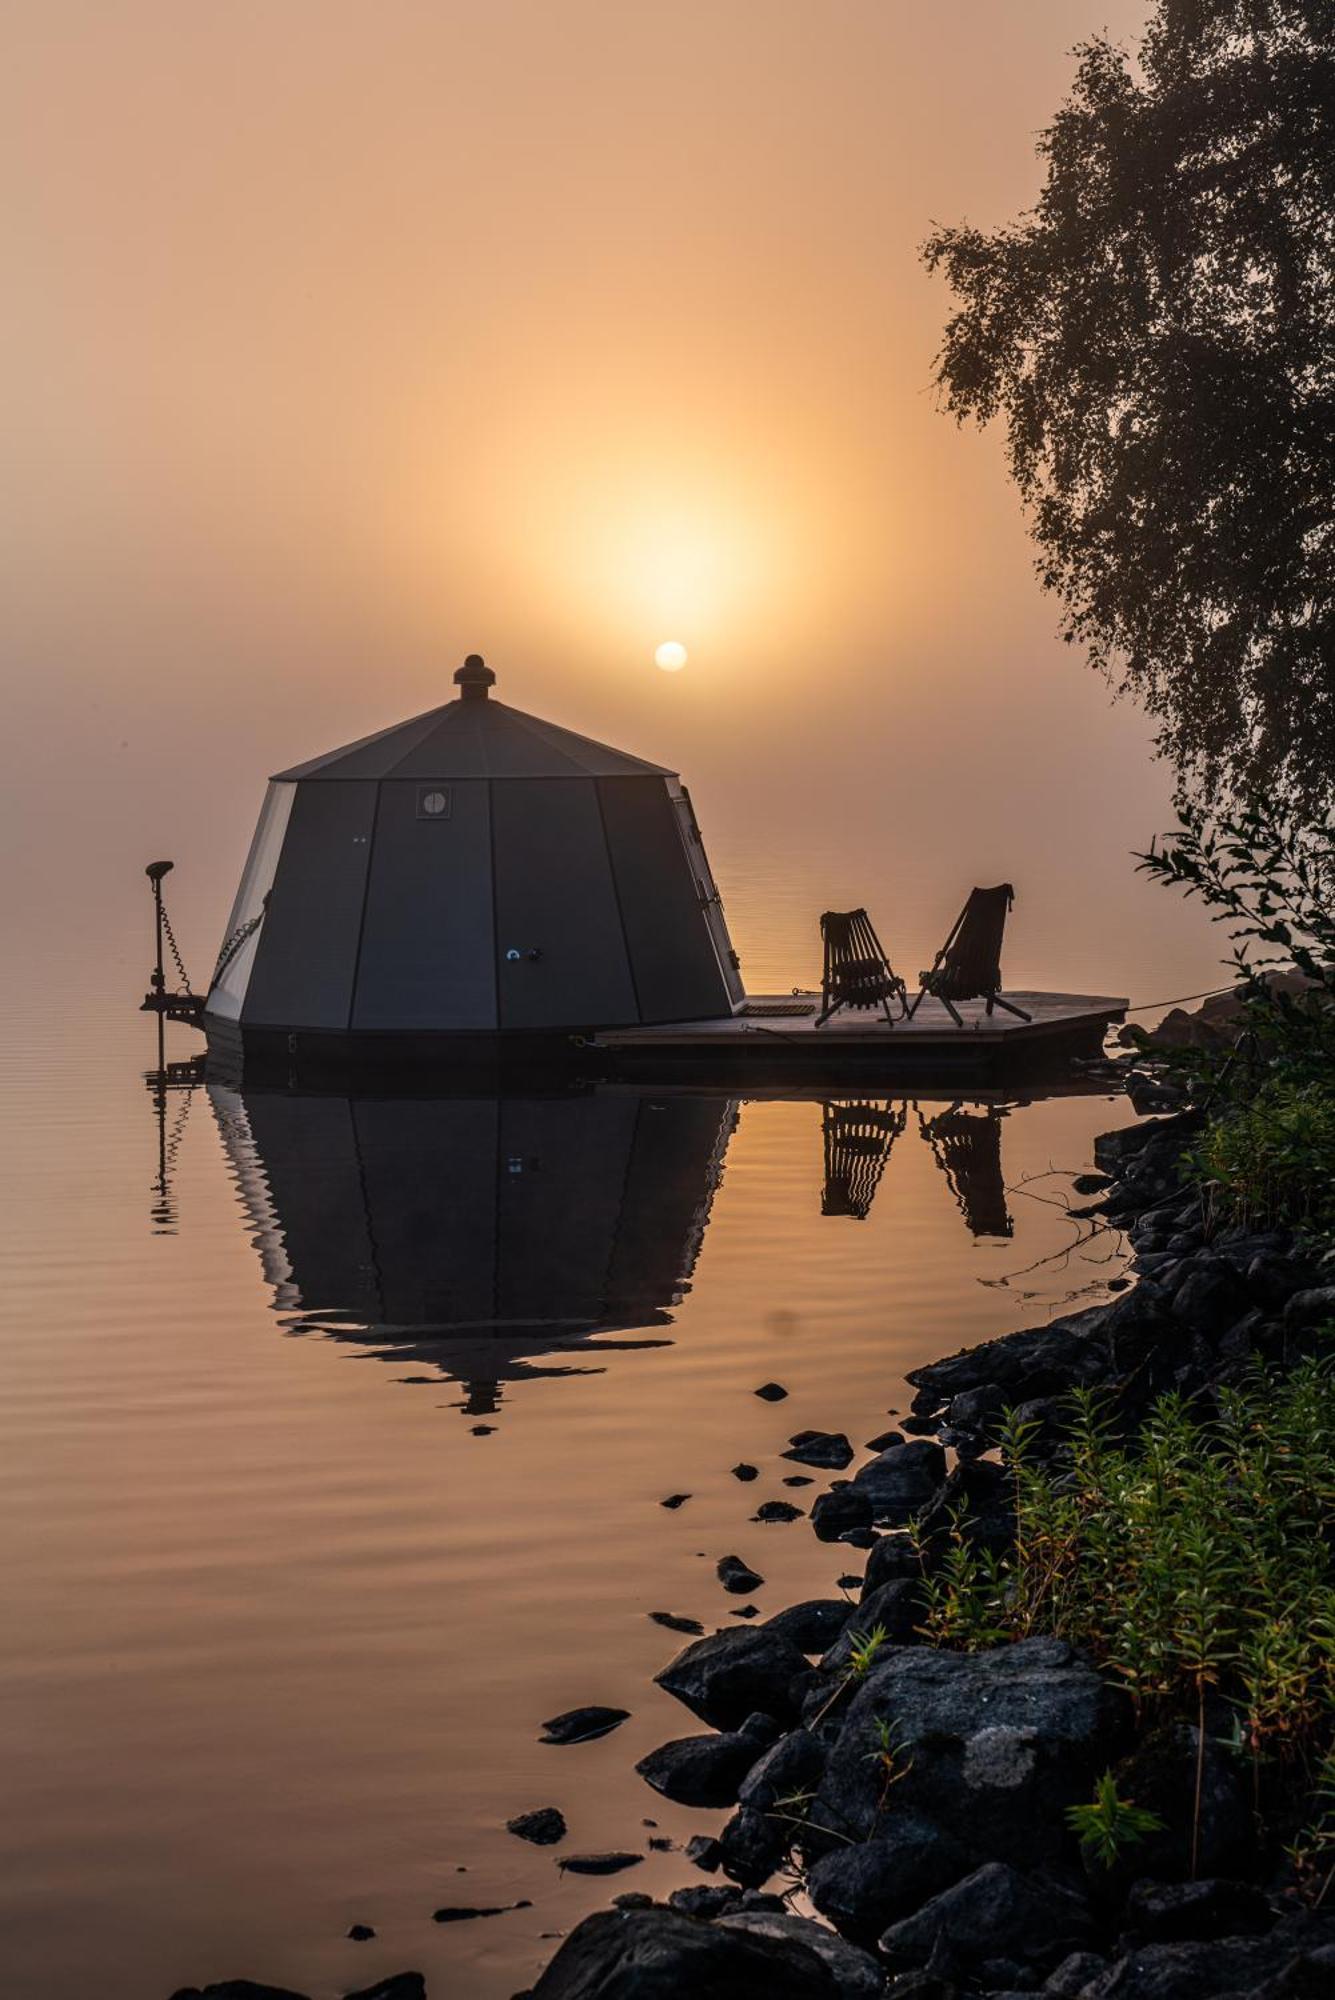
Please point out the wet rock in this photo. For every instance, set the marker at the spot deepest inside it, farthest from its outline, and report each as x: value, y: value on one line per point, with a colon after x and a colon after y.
x: 838, y: 1511
x: 859, y: 1538
x: 674, y: 1623
x: 633, y: 1899
x: 1226, y: 1970
x: 236, y: 1989
x: 798, y: 1479
x: 885, y: 1441
x: 705, y: 1900
x: 399, y: 1986
x: 737, y: 1578
x: 1308, y: 1310
x: 727, y: 1676
x: 771, y: 1392
x: 898, y: 1482
x: 661, y: 1843
x: 467, y: 1913
x: 976, y: 1496
x: 746, y: 1611
x: 1090, y: 1183
x: 582, y: 1725
x: 1035, y: 1361
x: 996, y: 1745
x: 976, y: 1409
x: 746, y: 1472
x: 1183, y: 1912
x: 919, y: 1426
x: 1072, y: 1976
x: 703, y: 1851
x: 777, y: 1510
x: 707, y: 1770
x: 360, y: 1933
x: 830, y: 1450
x: 812, y: 1625
x: 614, y: 1862
x: 794, y: 1764
x: 753, y: 1844
x: 1210, y: 1298
x: 674, y: 1500
x: 662, y: 1954
x: 893, y: 1557
x: 544, y: 1827
x: 995, y: 1913
x: 858, y: 1976
x: 864, y: 1888
x: 895, y: 1607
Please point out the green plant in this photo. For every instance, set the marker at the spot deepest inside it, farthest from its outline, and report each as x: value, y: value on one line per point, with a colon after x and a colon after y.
x: 864, y: 1649
x: 890, y: 1756
x: 1271, y: 1161
x: 1109, y: 1825
x: 962, y: 1596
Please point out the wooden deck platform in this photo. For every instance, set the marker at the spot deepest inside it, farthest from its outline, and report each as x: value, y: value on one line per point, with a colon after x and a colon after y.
x: 776, y: 1034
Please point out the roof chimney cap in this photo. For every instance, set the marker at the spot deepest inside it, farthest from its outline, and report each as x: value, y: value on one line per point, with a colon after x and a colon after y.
x: 474, y: 678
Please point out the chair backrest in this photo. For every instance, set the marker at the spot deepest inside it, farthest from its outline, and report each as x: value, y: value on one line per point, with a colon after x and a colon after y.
x: 971, y: 961
x: 858, y: 1138
x: 967, y: 1147
x: 852, y: 948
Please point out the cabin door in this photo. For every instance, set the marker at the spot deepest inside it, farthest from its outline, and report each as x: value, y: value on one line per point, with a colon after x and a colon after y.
x: 710, y: 900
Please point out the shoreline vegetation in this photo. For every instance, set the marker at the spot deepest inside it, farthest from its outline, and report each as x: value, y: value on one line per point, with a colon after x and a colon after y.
x: 1077, y: 1734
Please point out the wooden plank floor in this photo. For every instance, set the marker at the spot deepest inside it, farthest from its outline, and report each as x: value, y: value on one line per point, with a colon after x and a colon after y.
x: 1055, y: 1015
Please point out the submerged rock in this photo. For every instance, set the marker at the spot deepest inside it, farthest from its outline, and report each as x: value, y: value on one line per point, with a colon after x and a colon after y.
x: 777, y: 1510
x: 771, y: 1392
x: 544, y: 1827
x: 830, y: 1450
x: 746, y: 1472
x: 662, y: 1954
x: 727, y: 1676
x: 360, y: 1933
x: 465, y: 1913
x: 707, y: 1770
x: 612, y: 1863
x: 582, y: 1725
x: 737, y: 1577
x: 676, y: 1624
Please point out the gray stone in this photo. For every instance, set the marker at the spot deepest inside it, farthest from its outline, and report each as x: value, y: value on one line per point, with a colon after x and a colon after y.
x: 865, y: 1887
x: 858, y: 1976
x: 663, y: 1954
x: 794, y: 1764
x: 997, y: 1912
x: 726, y: 1676
x: 898, y: 1483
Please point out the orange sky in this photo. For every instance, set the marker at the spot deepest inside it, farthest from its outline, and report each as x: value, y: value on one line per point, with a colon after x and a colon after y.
x: 345, y: 338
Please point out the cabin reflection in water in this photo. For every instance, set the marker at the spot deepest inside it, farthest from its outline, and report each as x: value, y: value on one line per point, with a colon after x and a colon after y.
x: 966, y: 1145
x: 472, y: 1234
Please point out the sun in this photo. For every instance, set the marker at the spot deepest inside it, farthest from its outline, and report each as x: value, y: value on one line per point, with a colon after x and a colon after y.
x: 671, y: 656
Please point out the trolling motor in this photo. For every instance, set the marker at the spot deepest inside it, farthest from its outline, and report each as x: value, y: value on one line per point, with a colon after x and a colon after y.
x: 182, y: 1005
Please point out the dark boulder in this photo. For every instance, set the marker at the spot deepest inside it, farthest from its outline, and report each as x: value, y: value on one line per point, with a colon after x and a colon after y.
x: 702, y: 1851
x: 796, y: 1763
x: 662, y: 1954
x: 858, y: 1976
x: 977, y: 1497
x: 706, y: 1770
x: 399, y: 1986
x: 674, y: 1623
x: 1074, y: 1974
x: 544, y: 1827
x: 1160, y: 1775
x: 895, y: 1608
x: 885, y: 1441
x: 727, y: 1676
x: 771, y: 1392
x: 704, y: 1899
x: 745, y: 1472
x: 753, y: 1844
x: 236, y: 1989
x: 1035, y: 1361
x: 830, y: 1450
x: 1306, y: 1311
x: 1183, y: 1912
x: 841, y: 1509
x: 977, y: 1409
x: 1226, y: 1970
x: 894, y: 1557
x: 777, y: 1510
x: 737, y: 1578
x: 995, y: 1913
x: 582, y: 1725
x: 897, y: 1483
x: 996, y: 1745
x: 1211, y: 1297
x: 866, y: 1887
x: 811, y: 1625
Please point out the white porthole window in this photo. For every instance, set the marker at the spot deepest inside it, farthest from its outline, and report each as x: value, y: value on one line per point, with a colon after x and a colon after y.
x: 433, y: 802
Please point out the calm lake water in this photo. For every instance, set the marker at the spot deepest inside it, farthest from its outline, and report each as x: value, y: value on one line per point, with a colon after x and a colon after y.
x: 334, y: 1469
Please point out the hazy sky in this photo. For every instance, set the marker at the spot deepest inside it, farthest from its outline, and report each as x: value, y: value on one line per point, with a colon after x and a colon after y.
x: 344, y: 338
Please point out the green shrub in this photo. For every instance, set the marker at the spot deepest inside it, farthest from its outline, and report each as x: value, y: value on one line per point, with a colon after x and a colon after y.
x: 1271, y: 1161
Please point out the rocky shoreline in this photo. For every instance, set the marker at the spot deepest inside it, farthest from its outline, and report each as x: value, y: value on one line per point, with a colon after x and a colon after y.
x: 916, y: 1796
x: 919, y: 1800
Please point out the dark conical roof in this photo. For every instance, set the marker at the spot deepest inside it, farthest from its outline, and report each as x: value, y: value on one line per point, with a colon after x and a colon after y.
x: 474, y: 737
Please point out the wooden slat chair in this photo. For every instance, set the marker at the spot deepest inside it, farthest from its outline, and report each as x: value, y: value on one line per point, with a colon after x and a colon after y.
x: 968, y: 965
x: 857, y: 972
x: 967, y: 1147
x: 858, y: 1138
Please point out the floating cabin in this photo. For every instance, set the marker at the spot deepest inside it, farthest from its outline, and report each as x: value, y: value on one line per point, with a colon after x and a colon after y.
x: 476, y: 885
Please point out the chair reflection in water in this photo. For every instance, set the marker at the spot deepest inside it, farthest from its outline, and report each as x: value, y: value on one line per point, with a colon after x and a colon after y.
x: 858, y: 1138
x: 966, y: 1146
